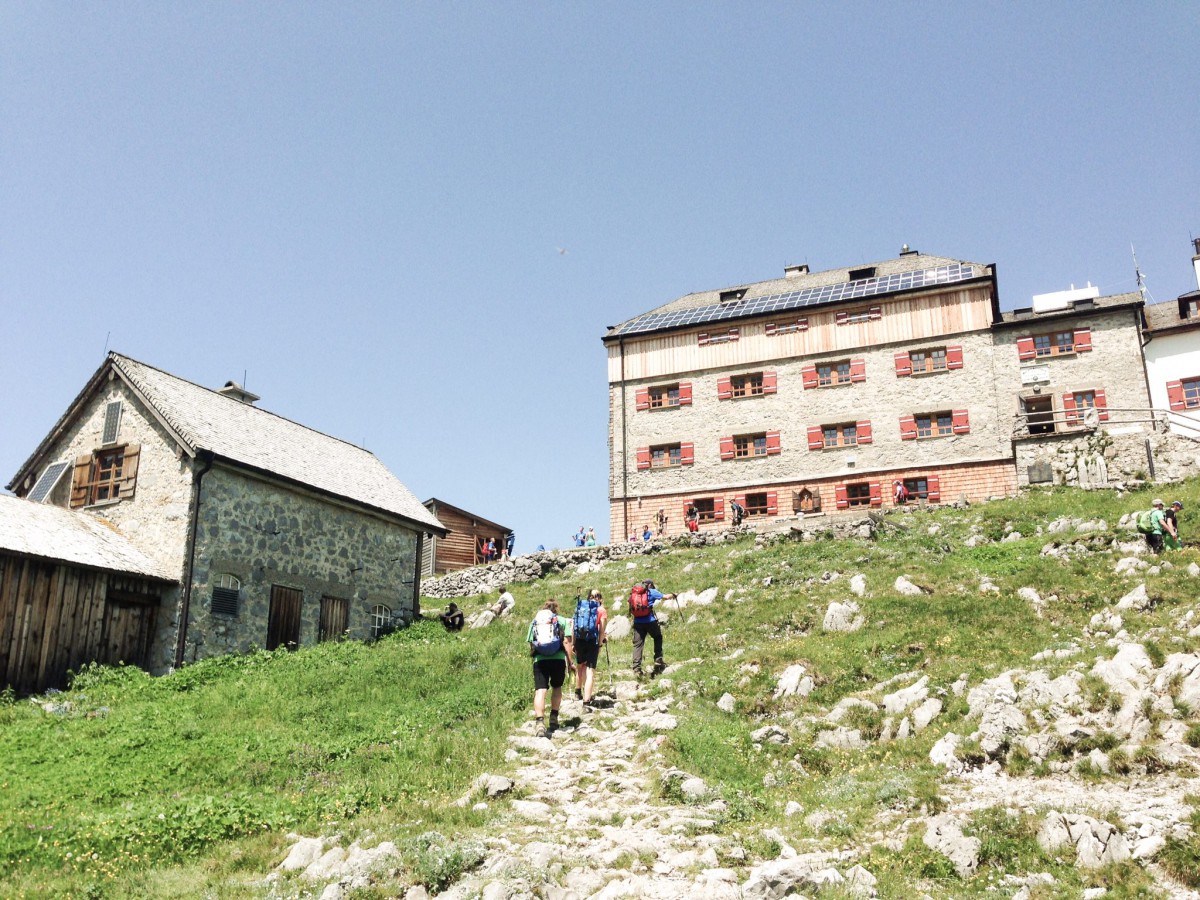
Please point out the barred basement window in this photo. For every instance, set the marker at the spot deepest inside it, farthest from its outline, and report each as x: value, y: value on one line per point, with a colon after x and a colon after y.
x: 380, y: 621
x: 225, y: 595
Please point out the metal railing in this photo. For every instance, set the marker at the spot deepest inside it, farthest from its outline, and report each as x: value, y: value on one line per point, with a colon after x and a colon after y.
x: 1040, y: 424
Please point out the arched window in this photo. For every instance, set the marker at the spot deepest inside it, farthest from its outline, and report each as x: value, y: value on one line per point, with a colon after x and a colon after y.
x: 381, y: 621
x: 227, y: 589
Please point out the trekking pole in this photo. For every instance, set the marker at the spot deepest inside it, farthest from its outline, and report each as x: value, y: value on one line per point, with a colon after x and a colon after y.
x: 608, y: 659
x: 679, y: 609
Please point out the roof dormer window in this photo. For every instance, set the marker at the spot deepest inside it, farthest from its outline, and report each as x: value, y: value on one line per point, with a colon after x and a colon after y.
x: 862, y: 274
x: 733, y: 296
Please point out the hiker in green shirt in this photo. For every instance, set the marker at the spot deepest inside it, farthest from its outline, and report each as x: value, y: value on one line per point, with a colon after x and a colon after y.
x: 1157, y: 526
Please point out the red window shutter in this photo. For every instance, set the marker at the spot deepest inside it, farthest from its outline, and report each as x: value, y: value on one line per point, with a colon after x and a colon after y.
x: 685, y: 393
x: 770, y: 382
x: 816, y: 437
x: 687, y: 454
x: 858, y: 370
x: 1083, y: 340
x: 863, y: 430
x: 934, y: 485
x: 1025, y: 348
x: 727, y: 448
x: 724, y: 389
x: 876, y: 493
x: 772, y: 503
x: 875, y: 312
x: 843, y: 318
x: 734, y: 334
x: 903, y: 364
x: 954, y: 358
x: 1174, y: 395
x: 770, y: 329
x: 809, y: 375
x: 841, y: 496
x: 908, y: 428
x: 643, y: 398
x: 960, y: 421
x: 643, y: 457
x: 719, y: 508
x: 1101, y: 406
x: 1069, y: 408
x: 773, y: 448
x: 702, y: 339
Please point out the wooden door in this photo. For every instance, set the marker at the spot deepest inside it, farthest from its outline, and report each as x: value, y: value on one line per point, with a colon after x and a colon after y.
x: 335, y: 617
x: 127, y: 631
x: 283, y: 621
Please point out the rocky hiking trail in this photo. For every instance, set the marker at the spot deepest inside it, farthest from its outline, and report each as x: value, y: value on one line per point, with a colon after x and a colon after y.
x: 1087, y: 744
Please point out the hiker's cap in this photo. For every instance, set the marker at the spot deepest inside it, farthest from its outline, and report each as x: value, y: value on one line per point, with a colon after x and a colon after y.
x: 1178, y: 503
x: 1158, y: 503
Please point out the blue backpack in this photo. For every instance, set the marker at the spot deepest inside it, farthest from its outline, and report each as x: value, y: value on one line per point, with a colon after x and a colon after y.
x: 583, y: 626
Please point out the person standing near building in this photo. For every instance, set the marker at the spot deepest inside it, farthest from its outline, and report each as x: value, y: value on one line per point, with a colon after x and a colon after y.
x: 739, y: 512
x: 509, y: 543
x: 642, y: 598
x: 549, y: 640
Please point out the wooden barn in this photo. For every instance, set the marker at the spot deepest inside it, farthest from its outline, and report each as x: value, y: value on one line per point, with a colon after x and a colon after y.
x: 460, y: 548
x: 73, y: 590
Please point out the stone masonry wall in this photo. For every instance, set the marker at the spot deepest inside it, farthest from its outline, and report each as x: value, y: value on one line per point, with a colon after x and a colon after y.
x: 882, y: 399
x: 157, y: 517
x: 265, y: 534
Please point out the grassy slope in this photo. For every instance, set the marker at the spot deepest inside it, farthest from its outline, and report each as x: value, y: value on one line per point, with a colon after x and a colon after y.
x: 186, y: 784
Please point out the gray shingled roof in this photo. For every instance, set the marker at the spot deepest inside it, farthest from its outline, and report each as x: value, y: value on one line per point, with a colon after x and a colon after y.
x: 910, y: 262
x: 1165, y: 315
x: 51, y: 532
x: 203, y: 419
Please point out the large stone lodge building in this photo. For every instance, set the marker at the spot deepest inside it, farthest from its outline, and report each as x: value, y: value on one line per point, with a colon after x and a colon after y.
x: 816, y: 392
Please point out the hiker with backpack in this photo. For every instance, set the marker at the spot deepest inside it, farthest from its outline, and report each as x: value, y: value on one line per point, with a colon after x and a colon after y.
x: 1171, y: 522
x: 1152, y: 523
x: 642, y: 598
x: 587, y: 636
x: 550, y: 647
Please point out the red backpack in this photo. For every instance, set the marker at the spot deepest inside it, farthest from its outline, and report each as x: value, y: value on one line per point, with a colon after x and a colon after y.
x: 639, y: 601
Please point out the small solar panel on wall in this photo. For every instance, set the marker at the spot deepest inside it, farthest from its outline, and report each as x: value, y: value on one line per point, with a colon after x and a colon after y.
x: 112, y: 421
x: 225, y: 601
x: 46, y: 483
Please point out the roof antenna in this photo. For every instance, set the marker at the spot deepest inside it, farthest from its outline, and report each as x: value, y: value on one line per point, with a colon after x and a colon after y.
x: 106, y: 337
x: 244, y: 373
x: 1141, y: 281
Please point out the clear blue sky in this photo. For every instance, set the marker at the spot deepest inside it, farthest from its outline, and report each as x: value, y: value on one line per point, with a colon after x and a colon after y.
x: 361, y: 205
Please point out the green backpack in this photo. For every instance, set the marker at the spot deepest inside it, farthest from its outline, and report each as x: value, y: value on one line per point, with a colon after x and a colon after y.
x: 1145, y: 522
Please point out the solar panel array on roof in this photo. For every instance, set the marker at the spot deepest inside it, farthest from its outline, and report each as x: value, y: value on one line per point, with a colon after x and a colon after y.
x: 772, y: 303
x: 46, y: 483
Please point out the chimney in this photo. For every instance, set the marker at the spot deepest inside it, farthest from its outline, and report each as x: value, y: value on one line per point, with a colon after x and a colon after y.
x: 795, y: 271
x: 1196, y: 259
x: 904, y: 251
x: 235, y: 391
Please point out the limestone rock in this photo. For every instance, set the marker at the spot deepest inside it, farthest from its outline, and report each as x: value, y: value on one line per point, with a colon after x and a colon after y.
x: 906, y: 587
x: 727, y: 703
x: 484, y: 619
x: 1096, y: 843
x: 926, y: 713
x: 618, y: 628
x: 794, y: 682
x: 842, y: 617
x: 1130, y: 565
x: 943, y: 835
x: 858, y: 585
x: 1135, y: 599
x: 303, y: 854
x: 897, y: 702
x: 841, y: 739
x: 770, y: 734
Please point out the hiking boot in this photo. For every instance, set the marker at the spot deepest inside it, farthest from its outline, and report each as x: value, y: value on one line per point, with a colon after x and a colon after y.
x: 659, y: 667
x: 540, y: 731
x: 553, y: 726
x: 578, y: 693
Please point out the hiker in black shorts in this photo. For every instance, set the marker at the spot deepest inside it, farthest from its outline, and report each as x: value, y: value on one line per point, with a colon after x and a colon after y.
x: 549, y: 641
